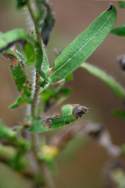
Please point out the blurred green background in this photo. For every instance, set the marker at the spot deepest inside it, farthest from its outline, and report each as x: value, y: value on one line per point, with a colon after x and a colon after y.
x: 86, y: 167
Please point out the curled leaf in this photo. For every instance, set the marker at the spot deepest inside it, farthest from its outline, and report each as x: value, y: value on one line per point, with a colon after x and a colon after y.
x: 20, y: 78
x: 69, y: 114
x: 11, y: 37
x: 45, y: 19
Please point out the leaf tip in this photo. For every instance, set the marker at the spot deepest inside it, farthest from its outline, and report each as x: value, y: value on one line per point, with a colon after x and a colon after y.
x: 110, y: 7
x: 79, y: 111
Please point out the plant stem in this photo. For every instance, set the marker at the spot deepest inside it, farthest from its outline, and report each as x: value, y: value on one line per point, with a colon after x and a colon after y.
x: 38, y: 34
x: 48, y: 177
x: 35, y: 102
x: 35, y: 89
x: 34, y: 107
x: 37, y: 76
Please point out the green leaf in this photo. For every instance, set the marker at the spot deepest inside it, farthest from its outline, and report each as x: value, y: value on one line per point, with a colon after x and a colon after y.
x: 9, y: 38
x: 24, y: 99
x: 67, y: 110
x: 84, y: 45
x: 5, y: 132
x: 120, y: 31
x: 69, y: 78
x: 22, y: 83
x: 121, y: 4
x: 29, y: 54
x: 45, y: 63
x: 19, y: 76
x: 117, y: 89
x: 42, y: 64
x: 21, y: 3
x: 119, y: 113
x: 39, y: 58
x: 68, y: 115
x: 9, y: 135
x: 38, y: 64
x: 53, y: 95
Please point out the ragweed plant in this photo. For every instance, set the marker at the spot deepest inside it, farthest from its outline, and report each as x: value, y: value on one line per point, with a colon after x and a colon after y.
x: 40, y: 85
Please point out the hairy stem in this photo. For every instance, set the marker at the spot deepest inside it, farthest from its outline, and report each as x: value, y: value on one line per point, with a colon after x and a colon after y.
x: 34, y: 109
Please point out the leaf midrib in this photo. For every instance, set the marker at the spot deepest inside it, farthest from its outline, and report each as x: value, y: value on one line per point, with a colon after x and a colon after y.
x: 83, y: 46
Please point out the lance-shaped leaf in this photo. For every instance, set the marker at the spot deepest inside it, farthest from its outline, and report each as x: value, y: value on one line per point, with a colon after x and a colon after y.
x: 84, y: 45
x: 20, y: 78
x: 28, y: 53
x: 42, y: 63
x: 9, y: 38
x: 120, y: 31
x: 117, y: 89
x: 25, y: 98
x: 68, y: 115
x: 45, y: 63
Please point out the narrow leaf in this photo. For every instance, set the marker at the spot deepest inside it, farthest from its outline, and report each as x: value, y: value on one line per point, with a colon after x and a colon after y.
x: 120, y: 31
x: 117, y: 89
x: 45, y: 62
x: 42, y: 64
x: 21, y: 100
x: 84, y: 45
x: 69, y: 114
x: 9, y: 38
x: 28, y: 54
x: 19, y: 76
